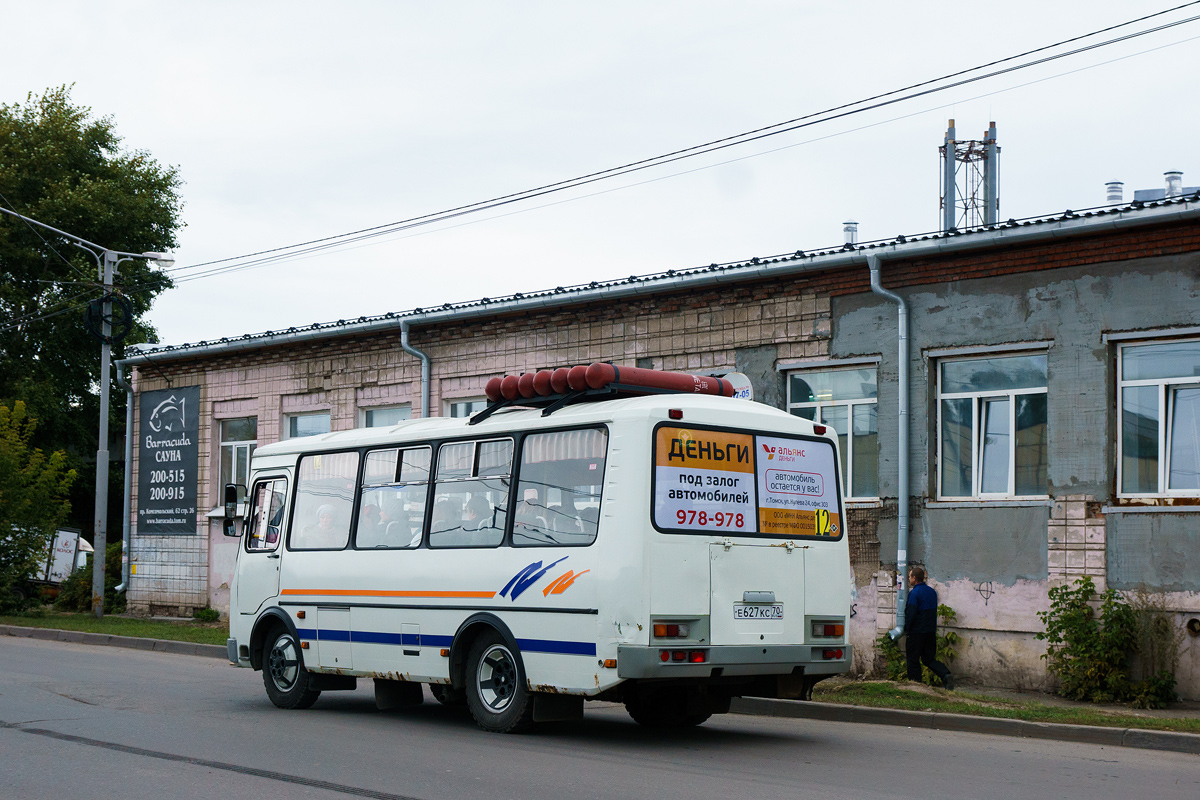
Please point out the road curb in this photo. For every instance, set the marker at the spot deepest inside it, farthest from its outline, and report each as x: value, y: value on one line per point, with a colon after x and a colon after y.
x: 1085, y: 734
x: 109, y: 640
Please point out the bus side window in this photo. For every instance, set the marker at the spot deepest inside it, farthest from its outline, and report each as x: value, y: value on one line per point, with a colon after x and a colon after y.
x: 266, y: 514
x: 324, y: 501
x: 559, y: 488
x: 471, y: 494
x: 391, y: 515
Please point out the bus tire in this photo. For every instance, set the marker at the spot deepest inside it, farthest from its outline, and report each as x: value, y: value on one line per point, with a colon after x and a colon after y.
x: 665, y: 708
x: 288, y: 682
x: 496, y: 692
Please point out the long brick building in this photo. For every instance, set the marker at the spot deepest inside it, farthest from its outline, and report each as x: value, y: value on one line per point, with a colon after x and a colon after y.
x: 1053, y: 388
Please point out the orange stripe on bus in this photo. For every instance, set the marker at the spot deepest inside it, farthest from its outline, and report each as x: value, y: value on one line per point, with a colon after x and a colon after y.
x: 383, y: 593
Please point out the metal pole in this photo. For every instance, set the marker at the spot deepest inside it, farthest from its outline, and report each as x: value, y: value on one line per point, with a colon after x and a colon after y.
x: 991, y: 173
x: 101, y: 530
x: 949, y: 182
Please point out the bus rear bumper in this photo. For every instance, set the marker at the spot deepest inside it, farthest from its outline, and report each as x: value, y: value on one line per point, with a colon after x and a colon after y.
x: 639, y: 661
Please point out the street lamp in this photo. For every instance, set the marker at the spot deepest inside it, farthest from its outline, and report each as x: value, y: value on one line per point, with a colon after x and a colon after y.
x: 106, y: 263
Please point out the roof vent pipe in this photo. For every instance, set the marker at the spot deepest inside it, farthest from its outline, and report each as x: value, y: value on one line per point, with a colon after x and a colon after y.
x: 850, y: 229
x: 1115, y: 191
x: 902, y: 465
x: 1174, y: 183
x: 424, y: 367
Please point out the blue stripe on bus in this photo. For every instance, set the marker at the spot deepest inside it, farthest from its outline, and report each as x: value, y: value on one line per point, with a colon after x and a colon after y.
x: 554, y: 646
x: 431, y: 640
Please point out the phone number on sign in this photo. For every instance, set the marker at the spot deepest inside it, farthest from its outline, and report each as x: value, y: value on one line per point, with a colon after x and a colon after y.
x: 720, y: 519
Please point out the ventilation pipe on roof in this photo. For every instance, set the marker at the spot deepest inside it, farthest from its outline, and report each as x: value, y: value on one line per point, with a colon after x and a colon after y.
x: 1174, y: 183
x: 408, y: 348
x: 902, y: 445
x: 128, y: 493
x: 850, y: 229
x: 1115, y: 191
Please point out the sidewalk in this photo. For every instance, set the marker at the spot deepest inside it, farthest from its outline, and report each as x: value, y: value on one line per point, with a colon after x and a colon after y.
x: 800, y: 709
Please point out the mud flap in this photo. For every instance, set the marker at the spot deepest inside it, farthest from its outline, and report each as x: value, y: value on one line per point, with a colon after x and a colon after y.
x: 556, y: 708
x: 390, y: 695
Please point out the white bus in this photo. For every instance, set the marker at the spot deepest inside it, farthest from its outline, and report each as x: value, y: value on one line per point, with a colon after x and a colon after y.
x: 670, y: 552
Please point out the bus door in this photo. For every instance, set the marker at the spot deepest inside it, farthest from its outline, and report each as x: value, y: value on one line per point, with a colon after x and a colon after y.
x: 757, y: 593
x: 258, y: 562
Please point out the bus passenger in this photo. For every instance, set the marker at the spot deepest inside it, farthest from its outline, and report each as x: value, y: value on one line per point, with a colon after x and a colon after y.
x: 478, y: 514
x: 323, y: 533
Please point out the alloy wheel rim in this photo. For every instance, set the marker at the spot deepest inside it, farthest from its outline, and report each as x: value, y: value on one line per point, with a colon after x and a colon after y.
x: 497, y: 677
x: 283, y: 664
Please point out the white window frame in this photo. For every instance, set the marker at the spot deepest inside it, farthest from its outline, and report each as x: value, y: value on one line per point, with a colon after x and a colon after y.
x: 977, y: 443
x: 287, y: 422
x: 235, y: 445
x: 849, y: 405
x: 450, y: 402
x: 362, y: 412
x: 1166, y: 386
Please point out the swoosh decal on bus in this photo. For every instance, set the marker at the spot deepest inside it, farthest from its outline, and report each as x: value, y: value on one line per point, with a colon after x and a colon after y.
x: 384, y: 593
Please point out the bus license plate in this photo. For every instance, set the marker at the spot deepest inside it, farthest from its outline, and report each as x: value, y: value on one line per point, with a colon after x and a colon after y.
x: 758, y: 611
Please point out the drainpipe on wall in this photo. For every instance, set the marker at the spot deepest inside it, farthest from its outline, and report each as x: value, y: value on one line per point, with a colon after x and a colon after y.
x: 408, y: 348
x: 129, y: 436
x: 902, y: 456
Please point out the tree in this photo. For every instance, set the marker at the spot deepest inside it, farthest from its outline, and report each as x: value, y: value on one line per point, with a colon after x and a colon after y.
x: 33, y: 500
x: 63, y: 167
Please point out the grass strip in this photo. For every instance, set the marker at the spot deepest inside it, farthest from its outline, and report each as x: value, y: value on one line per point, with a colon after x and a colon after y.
x: 890, y: 695
x: 184, y: 631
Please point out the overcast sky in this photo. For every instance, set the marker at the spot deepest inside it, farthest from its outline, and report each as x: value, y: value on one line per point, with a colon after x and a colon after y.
x: 292, y: 121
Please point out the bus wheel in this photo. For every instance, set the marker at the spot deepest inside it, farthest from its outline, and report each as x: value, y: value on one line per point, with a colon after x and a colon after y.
x: 664, y: 709
x: 284, y: 675
x: 496, y: 692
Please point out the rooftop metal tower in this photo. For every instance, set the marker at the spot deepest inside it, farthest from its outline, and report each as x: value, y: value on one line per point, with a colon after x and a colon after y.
x: 969, y: 179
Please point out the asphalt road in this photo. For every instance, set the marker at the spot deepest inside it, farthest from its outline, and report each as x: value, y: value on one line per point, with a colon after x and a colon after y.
x: 78, y: 721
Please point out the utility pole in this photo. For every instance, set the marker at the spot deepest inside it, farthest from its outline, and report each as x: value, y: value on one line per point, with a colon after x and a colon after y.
x: 100, y: 534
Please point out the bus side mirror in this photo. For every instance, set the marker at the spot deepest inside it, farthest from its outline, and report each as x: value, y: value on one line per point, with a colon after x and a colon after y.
x: 231, y: 502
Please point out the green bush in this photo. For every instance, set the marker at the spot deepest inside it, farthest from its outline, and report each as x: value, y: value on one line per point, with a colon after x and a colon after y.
x: 895, y: 661
x: 206, y: 614
x: 1154, y: 692
x: 1089, y: 655
x: 76, y: 591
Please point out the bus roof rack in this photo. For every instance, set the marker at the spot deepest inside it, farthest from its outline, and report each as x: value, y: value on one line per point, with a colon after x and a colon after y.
x: 551, y: 390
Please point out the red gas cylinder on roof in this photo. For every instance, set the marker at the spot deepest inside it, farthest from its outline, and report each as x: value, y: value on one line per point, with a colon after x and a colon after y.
x: 627, y: 380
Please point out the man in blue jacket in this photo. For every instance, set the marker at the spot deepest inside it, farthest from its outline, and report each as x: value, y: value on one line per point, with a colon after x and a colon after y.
x: 920, y: 628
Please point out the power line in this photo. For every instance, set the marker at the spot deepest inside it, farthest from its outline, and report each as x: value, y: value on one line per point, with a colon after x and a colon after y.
x: 316, y: 245
x: 38, y: 234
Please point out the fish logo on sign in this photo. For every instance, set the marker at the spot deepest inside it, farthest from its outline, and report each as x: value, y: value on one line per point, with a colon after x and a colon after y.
x: 770, y: 452
x: 168, y: 415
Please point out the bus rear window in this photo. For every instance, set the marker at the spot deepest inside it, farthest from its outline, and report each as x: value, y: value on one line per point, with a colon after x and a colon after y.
x: 558, y: 492
x: 744, y: 483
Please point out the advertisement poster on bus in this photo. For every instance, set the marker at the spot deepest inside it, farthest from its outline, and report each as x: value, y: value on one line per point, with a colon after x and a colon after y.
x: 168, y: 460
x: 797, y: 487
x: 704, y: 480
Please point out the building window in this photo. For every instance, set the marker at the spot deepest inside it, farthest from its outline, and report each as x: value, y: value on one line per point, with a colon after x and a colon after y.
x: 386, y: 417
x: 466, y: 408
x: 1159, y: 446
x: 238, y: 439
x: 847, y: 401
x: 992, y: 427
x: 307, y: 424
